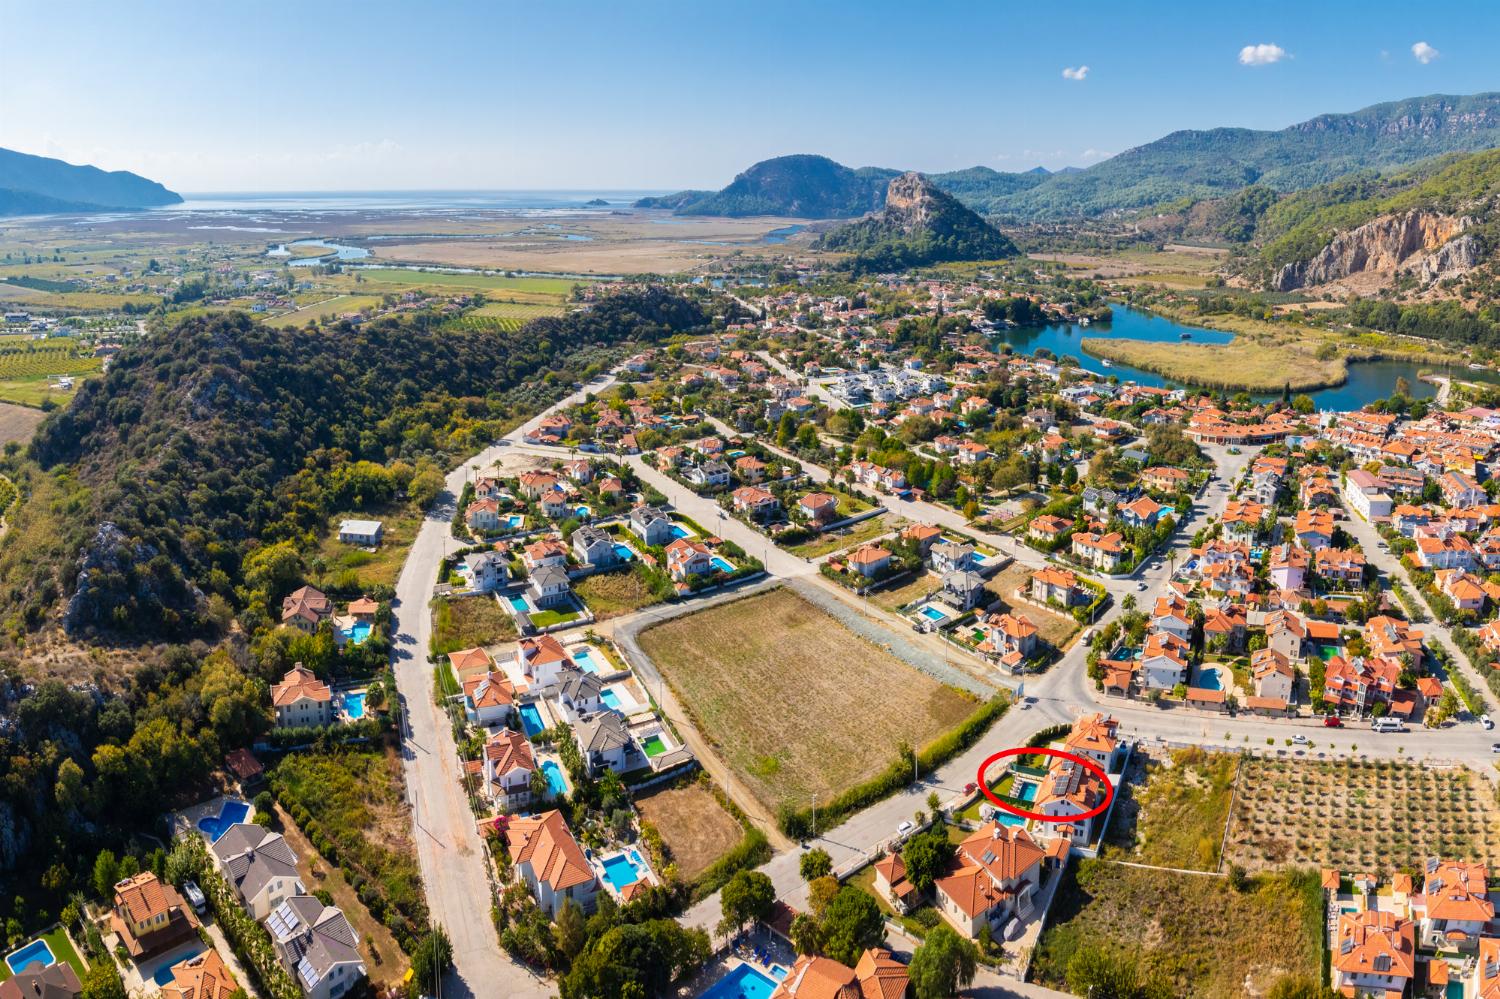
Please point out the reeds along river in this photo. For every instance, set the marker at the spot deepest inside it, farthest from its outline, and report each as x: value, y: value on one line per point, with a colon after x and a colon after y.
x: 1368, y: 380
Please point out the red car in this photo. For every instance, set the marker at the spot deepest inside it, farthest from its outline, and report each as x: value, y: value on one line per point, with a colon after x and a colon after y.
x: 1332, y: 721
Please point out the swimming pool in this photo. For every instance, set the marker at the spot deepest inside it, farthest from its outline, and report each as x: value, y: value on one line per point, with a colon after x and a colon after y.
x: 554, y: 775
x: 722, y: 564
x: 1024, y: 791
x: 653, y: 746
x: 354, y: 704
x: 624, y: 869
x: 164, y: 974
x: 1007, y: 819
x: 610, y: 699
x: 933, y: 614
x: 358, y: 632
x: 230, y: 813
x: 513, y: 521
x: 585, y: 660
x: 1208, y: 679
x: 531, y: 719
x: 584, y: 513
x: 518, y: 603
x: 678, y: 531
x: 624, y: 553
x: 744, y: 982
x: 35, y: 954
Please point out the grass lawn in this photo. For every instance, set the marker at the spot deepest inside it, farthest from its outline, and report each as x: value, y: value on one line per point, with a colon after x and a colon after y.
x: 895, y: 597
x: 1175, y: 818
x: 796, y: 703
x: 464, y: 622
x: 1242, y: 364
x: 847, y: 537
x: 534, y: 285
x: 610, y: 594
x: 346, y: 567
x: 547, y: 618
x: 57, y: 941
x: 696, y: 829
x: 1360, y: 815
x: 1196, y: 933
x: 517, y: 310
x: 1052, y: 627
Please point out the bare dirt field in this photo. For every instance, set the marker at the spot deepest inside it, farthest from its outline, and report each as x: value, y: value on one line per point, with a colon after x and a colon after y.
x: 18, y: 423
x: 795, y: 703
x: 695, y: 827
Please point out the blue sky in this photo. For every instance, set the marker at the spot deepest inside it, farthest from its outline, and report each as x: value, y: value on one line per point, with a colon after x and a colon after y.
x: 339, y: 95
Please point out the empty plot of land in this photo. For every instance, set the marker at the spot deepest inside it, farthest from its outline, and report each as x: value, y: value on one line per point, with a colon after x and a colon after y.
x: 1054, y: 628
x: 696, y: 829
x: 1360, y: 815
x: 845, y: 537
x: 1195, y: 932
x: 610, y: 594
x: 796, y: 703
x: 469, y: 622
x: 18, y: 423
x: 1172, y: 811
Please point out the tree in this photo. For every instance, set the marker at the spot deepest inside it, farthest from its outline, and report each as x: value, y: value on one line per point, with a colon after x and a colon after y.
x: 1298, y: 987
x: 1103, y: 975
x: 945, y: 963
x: 851, y: 925
x: 819, y: 893
x: 815, y: 864
x: 747, y: 898
x: 570, y: 929
x: 431, y: 958
x: 106, y: 873
x: 102, y: 981
x: 927, y: 856
x: 71, y: 790
x: 805, y: 934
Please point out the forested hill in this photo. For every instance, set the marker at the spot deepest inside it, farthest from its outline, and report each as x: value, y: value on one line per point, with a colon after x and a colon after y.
x: 221, y: 433
x: 918, y: 225
x: 1216, y: 162
x: 38, y: 184
x: 801, y: 186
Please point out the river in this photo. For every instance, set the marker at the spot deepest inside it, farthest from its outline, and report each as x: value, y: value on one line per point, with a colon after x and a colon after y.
x: 1368, y: 380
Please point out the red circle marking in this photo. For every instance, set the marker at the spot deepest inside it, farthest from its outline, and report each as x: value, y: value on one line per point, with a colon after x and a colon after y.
x: 1090, y: 765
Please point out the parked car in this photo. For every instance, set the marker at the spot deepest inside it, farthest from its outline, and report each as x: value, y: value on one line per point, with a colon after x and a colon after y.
x: 905, y: 828
x: 195, y: 896
x: 1495, y: 747
x: 1332, y: 721
x: 1486, y: 721
x: 1299, y: 740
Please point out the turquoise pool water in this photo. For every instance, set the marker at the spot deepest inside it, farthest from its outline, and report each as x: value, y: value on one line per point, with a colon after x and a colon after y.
x: 1025, y: 792
x: 518, y: 603
x: 585, y: 661
x: 933, y: 614
x: 513, y: 521
x: 36, y: 953
x: 531, y: 719
x: 779, y: 972
x: 624, y: 553
x: 678, y: 531
x: 554, y: 776
x: 722, y: 564
x: 584, y: 513
x: 164, y: 974
x: 610, y: 699
x: 230, y: 813
x: 358, y: 632
x: 744, y: 982
x: 1007, y: 819
x: 354, y: 704
x: 1208, y: 679
x: 624, y: 869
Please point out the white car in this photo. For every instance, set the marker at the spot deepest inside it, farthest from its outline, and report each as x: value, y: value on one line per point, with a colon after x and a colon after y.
x: 1486, y: 721
x: 195, y: 896
x: 905, y: 828
x: 1300, y: 740
x: 1140, y: 586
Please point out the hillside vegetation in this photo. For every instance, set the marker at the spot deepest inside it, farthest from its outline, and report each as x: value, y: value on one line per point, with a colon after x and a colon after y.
x: 918, y: 225
x: 32, y: 184
x: 221, y: 436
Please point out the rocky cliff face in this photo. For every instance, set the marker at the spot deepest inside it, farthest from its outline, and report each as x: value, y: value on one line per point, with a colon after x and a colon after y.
x: 909, y: 201
x: 1427, y: 242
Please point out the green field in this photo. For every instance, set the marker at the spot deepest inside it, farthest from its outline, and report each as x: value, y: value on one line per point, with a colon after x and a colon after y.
x: 327, y: 308
x: 517, y: 310
x: 533, y: 285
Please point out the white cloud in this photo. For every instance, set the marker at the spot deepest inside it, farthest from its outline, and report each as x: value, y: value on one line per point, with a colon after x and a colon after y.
x: 1094, y: 154
x: 1424, y: 53
x: 1075, y: 73
x: 1261, y: 55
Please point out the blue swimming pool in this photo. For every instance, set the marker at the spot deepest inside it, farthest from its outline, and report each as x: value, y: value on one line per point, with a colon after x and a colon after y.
x: 610, y: 699
x: 1025, y: 791
x: 230, y: 813
x: 779, y: 972
x: 36, y: 953
x: 531, y: 719
x: 933, y: 614
x: 722, y: 564
x: 358, y: 632
x: 164, y: 974
x: 624, y: 553
x: 1208, y: 679
x: 513, y: 521
x: 554, y: 774
x: 678, y: 531
x: 744, y: 982
x: 624, y: 869
x: 354, y: 704
x: 584, y: 513
x: 518, y: 603
x: 1007, y: 819
x: 585, y: 660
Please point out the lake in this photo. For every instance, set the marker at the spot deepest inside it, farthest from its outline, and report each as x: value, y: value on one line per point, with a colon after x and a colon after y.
x: 1368, y: 380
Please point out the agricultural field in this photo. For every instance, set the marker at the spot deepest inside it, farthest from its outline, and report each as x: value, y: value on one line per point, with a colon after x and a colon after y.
x: 28, y: 370
x: 346, y: 568
x: 610, y: 594
x: 467, y: 622
x: 1360, y: 815
x: 696, y: 829
x: 1172, y: 811
x: 1196, y: 933
x: 517, y: 310
x: 326, y: 308
x: 18, y: 423
x: 739, y: 668
x: 517, y: 287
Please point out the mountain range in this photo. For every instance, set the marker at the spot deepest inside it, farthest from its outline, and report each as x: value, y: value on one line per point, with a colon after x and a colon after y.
x: 1180, y: 167
x: 35, y: 185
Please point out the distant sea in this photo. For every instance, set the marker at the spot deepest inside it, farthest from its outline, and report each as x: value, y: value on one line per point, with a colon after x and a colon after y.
x: 420, y: 202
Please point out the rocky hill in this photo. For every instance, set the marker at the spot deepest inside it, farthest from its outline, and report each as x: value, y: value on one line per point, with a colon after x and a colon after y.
x: 919, y: 224
x: 37, y: 184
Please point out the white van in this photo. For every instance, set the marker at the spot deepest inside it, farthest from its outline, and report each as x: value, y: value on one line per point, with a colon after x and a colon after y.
x: 1387, y: 725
